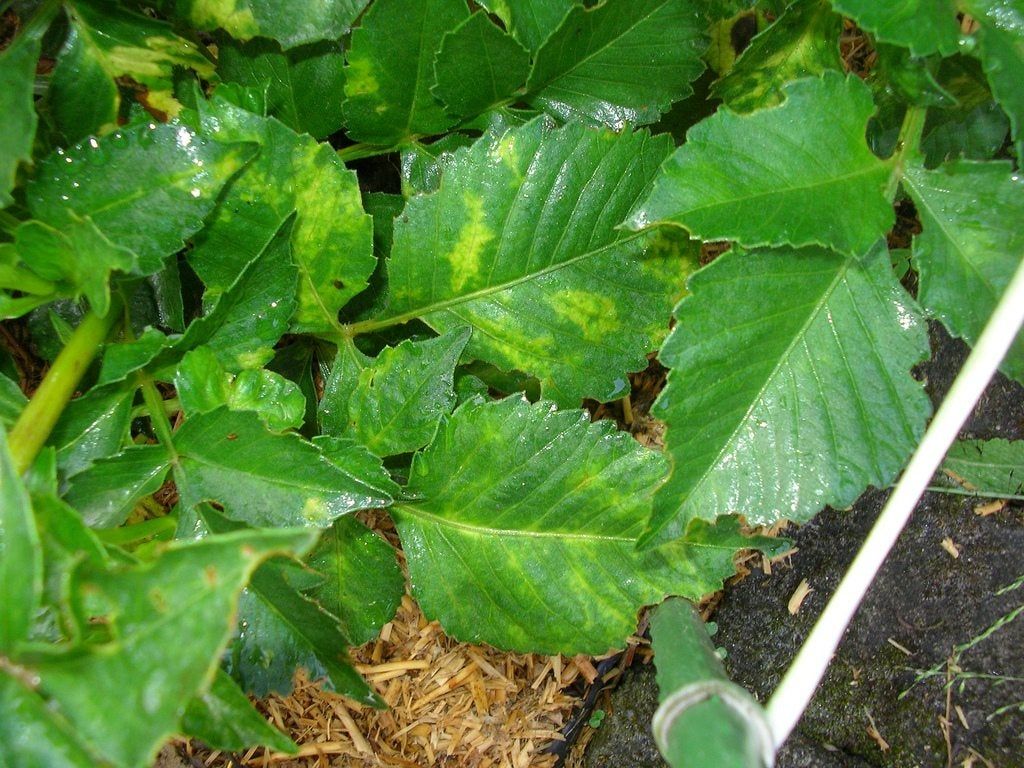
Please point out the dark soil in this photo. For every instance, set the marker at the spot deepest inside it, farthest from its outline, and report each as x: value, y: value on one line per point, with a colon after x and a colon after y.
x: 871, y: 710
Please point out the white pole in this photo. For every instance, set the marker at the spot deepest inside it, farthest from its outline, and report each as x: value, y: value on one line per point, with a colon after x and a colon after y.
x: 797, y: 687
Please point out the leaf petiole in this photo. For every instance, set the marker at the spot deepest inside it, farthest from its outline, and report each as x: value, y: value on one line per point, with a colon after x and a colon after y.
x: 362, y: 150
x: 907, y: 146
x: 9, y: 222
x: 157, y: 527
x: 157, y: 411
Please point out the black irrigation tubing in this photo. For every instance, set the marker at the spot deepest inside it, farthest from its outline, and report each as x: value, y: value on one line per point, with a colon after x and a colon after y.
x: 574, y: 727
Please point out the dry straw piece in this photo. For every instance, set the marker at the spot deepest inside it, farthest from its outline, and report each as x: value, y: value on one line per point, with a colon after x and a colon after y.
x: 450, y: 704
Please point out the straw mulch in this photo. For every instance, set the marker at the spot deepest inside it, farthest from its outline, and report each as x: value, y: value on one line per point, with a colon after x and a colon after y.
x: 450, y: 704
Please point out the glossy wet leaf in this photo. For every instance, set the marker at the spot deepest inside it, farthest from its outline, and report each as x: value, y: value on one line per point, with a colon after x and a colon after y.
x: 224, y: 718
x: 106, y: 492
x: 402, y: 395
x: 535, y: 531
x: 250, y: 317
x: 1000, y: 39
x: 17, y: 79
x: 991, y: 467
x: 106, y: 43
x: 202, y: 385
x: 775, y: 178
x: 289, y: 23
x: 478, y: 66
x: 391, y: 70
x: 268, y: 479
x: 923, y: 26
x: 422, y: 164
x: 531, y: 22
x: 804, y: 41
x: 790, y: 387
x: 146, y: 187
x: 21, y: 559
x: 125, y: 696
x: 362, y: 583
x: 91, y: 427
x: 970, y: 245
x: 620, y: 62
x: 332, y: 239
x: 520, y: 243
x: 305, y: 86
x: 79, y: 259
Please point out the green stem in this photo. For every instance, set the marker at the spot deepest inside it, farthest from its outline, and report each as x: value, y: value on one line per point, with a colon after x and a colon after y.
x: 362, y: 150
x: 14, y: 278
x: 907, y: 146
x: 157, y: 412
x: 9, y: 222
x: 172, y: 405
x: 147, y: 529
x: 40, y: 415
x: 977, y: 494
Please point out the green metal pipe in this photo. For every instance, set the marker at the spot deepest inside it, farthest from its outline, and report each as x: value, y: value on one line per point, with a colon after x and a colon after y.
x: 704, y: 719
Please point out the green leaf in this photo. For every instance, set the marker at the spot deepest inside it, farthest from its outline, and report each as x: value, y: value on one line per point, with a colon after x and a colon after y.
x: 121, y: 360
x: 146, y: 187
x: 252, y: 315
x: 970, y: 246
x: 521, y: 529
x: 803, y: 41
x: 332, y: 410
x: 266, y: 479
x: 296, y: 362
x: 106, y: 43
x: 1001, y: 49
x: 391, y: 70
x: 107, y: 491
x: 332, y: 238
x: 520, y: 242
x: 422, y: 164
x: 203, y: 385
x: 201, y: 382
x: 125, y: 696
x: 774, y: 177
x: 363, y: 584
x: 790, y: 387
x: 21, y: 559
x: 402, y: 395
x: 223, y: 718
x: 923, y: 26
x: 531, y: 22
x: 990, y: 467
x: 80, y: 258
x: 33, y: 734
x: 305, y: 86
x: 289, y: 23
x: 12, y: 401
x: 619, y: 62
x: 91, y: 427
x: 911, y: 78
x: 279, y: 401
x: 478, y: 66
x: 17, y: 105
x: 280, y: 629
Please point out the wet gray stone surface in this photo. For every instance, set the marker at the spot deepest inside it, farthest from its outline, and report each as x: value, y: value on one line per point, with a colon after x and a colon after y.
x: 925, y: 603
